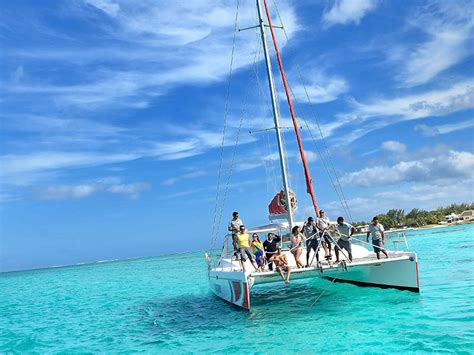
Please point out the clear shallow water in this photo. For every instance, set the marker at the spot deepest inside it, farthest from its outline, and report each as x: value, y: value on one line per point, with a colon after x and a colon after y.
x: 163, y: 304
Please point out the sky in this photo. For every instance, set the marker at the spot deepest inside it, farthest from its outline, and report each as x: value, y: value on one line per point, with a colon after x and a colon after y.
x: 112, y: 119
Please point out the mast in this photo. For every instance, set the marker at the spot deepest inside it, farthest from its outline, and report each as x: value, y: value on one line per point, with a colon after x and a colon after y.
x: 309, y: 184
x: 276, y: 118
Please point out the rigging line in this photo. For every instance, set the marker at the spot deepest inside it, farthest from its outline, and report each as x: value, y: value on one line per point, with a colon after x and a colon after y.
x: 268, y: 163
x: 343, y: 200
x: 226, y: 110
x: 242, y: 115
x: 309, y: 185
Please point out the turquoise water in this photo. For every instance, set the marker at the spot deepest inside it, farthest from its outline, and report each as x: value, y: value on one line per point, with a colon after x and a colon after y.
x: 163, y: 304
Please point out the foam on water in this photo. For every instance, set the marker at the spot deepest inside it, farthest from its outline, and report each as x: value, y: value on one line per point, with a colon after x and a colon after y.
x: 163, y: 305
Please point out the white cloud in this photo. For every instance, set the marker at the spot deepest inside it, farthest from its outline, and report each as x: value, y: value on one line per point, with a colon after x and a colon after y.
x: 347, y: 11
x: 381, y: 112
x: 156, y: 52
x: 448, y: 165
x: 394, y: 147
x: 430, y: 131
x: 448, y: 27
x: 422, y: 196
x: 320, y: 88
x: 62, y: 192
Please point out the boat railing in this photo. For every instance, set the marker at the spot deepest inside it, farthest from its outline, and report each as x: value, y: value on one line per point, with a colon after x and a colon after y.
x: 399, y: 238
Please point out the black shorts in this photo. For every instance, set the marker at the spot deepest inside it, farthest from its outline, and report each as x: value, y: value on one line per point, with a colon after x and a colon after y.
x: 312, y: 244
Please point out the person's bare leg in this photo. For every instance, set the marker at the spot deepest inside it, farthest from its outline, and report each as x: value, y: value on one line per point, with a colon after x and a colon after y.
x: 288, y: 273
x: 385, y: 252
x: 326, y: 251
x: 280, y: 271
x: 336, y: 251
x: 378, y: 254
x: 242, y: 263
x: 350, y: 256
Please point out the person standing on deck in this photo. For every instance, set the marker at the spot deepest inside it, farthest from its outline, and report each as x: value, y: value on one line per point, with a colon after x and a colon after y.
x: 296, y: 246
x: 378, y: 236
x: 345, y: 230
x: 243, y: 243
x: 234, y: 227
x: 323, y: 226
x: 270, y: 247
x: 311, y: 234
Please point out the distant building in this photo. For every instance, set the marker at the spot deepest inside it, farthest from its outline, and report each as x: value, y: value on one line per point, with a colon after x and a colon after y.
x: 452, y: 217
x: 467, y: 215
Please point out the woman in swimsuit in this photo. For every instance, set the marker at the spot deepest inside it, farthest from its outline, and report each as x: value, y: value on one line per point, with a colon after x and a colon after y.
x: 297, y: 241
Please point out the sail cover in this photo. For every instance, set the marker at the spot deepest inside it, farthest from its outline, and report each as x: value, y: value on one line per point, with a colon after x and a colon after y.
x: 278, y: 205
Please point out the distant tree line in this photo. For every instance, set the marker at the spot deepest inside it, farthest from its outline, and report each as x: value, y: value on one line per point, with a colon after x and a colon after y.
x: 396, y: 218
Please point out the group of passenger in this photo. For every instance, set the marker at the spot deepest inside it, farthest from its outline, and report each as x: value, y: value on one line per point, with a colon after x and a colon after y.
x: 313, y: 235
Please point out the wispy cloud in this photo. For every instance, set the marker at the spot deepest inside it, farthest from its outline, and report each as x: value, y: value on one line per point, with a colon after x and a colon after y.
x: 320, y: 87
x: 430, y: 131
x: 63, y: 192
x: 394, y: 147
x: 148, y: 52
x: 448, y: 29
x: 344, y: 12
x: 377, y: 113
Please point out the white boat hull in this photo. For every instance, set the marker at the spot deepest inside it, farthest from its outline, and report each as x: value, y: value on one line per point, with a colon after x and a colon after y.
x: 231, y: 286
x: 400, y: 271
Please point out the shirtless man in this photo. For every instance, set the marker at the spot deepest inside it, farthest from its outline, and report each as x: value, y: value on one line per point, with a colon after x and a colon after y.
x: 281, y: 264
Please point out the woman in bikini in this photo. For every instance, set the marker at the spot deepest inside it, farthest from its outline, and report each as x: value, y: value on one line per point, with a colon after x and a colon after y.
x: 297, y: 241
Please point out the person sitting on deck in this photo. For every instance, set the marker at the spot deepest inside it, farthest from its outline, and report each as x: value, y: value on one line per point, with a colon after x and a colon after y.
x: 234, y: 226
x: 281, y: 264
x: 270, y: 247
x: 296, y: 246
x: 323, y: 224
x: 243, y: 243
x: 257, y: 249
x: 378, y: 237
x: 311, y: 233
x: 345, y: 230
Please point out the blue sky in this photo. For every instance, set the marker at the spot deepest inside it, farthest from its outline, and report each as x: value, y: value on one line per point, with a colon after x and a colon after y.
x: 112, y: 115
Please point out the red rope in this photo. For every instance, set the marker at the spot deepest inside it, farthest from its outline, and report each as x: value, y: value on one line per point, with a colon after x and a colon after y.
x: 309, y: 185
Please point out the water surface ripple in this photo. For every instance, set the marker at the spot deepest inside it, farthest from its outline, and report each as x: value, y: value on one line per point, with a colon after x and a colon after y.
x: 163, y: 304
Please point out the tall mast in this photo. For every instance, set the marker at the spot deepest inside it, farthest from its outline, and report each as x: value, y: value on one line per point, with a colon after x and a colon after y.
x: 276, y: 118
x: 309, y: 184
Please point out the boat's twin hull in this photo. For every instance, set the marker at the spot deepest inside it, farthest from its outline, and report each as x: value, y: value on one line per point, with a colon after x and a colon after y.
x: 231, y: 286
x: 400, y: 272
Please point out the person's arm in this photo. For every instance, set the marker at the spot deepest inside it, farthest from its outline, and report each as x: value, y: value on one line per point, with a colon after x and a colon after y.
x: 352, y: 232
x: 368, y: 233
x: 383, y: 237
x: 277, y: 238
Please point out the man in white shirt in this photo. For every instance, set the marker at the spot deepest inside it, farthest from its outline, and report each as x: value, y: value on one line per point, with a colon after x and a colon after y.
x: 323, y: 224
x: 345, y: 231
x: 378, y: 237
x: 234, y: 228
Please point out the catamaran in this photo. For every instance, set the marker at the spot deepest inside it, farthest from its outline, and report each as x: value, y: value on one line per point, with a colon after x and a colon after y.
x: 229, y: 280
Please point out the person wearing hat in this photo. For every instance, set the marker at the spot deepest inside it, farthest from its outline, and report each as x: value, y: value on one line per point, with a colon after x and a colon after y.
x: 378, y: 236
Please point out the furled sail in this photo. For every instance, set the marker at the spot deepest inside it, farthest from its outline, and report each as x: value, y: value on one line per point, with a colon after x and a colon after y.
x: 278, y: 206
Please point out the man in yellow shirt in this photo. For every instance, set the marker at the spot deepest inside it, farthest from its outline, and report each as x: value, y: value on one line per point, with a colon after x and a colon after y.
x: 243, y: 245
